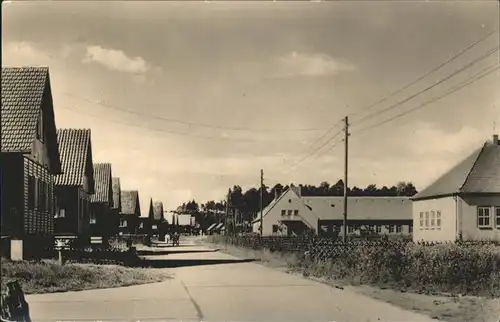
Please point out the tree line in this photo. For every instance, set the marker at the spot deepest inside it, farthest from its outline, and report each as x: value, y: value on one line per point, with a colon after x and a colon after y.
x: 248, y: 202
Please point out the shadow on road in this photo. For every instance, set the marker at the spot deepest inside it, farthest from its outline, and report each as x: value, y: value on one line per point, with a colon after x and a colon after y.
x: 170, y: 246
x: 168, y: 252
x: 165, y: 263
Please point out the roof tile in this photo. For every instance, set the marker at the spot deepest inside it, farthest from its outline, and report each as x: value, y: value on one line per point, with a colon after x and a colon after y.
x: 74, y: 146
x: 129, y: 202
x: 22, y: 93
x: 158, y: 210
x: 103, y: 184
x: 478, y: 173
x: 117, y: 200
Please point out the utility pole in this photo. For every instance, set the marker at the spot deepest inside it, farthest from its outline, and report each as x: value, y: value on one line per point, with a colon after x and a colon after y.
x: 261, y: 201
x: 226, y: 228
x: 346, y: 160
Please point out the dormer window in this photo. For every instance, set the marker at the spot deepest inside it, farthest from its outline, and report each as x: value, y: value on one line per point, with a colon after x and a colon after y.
x: 39, y: 128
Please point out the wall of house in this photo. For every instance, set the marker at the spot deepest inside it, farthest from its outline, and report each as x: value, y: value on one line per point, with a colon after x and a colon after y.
x: 39, y: 151
x: 67, y: 199
x: 38, y: 220
x: 357, y: 227
x: 468, y: 217
x: 132, y: 224
x: 448, y: 229
x: 12, y: 194
x: 288, y: 201
x: 103, y: 224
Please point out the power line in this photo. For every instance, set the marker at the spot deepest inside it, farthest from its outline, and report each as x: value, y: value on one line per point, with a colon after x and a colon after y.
x: 313, y: 152
x: 191, y: 123
x: 460, y: 53
x: 483, y: 73
x: 477, y: 60
x: 175, y: 132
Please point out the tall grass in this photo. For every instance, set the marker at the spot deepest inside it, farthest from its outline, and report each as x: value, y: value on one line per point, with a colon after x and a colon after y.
x: 49, y: 276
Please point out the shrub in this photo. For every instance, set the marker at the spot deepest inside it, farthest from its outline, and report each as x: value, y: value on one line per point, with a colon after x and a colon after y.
x: 466, y: 267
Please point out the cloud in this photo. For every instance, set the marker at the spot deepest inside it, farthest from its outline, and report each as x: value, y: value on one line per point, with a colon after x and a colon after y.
x: 301, y: 64
x: 116, y: 60
x: 432, y: 141
x: 19, y: 52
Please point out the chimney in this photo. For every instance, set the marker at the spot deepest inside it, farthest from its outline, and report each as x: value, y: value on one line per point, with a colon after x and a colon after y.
x: 495, y: 139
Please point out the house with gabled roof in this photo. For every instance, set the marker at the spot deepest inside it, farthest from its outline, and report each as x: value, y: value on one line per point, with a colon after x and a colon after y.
x: 75, y: 186
x: 290, y: 214
x: 464, y: 203
x: 130, y: 212
x: 101, y: 216
x: 29, y: 160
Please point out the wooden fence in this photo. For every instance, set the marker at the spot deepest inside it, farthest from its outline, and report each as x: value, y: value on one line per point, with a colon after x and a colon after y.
x: 327, y: 248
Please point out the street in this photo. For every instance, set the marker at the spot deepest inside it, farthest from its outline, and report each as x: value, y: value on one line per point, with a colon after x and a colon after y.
x: 213, y: 286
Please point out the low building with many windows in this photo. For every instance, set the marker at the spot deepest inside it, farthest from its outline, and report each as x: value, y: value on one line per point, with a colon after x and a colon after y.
x: 290, y: 214
x: 464, y: 203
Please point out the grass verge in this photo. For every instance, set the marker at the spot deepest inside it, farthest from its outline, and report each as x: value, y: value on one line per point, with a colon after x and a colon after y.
x: 451, y: 308
x: 49, y: 277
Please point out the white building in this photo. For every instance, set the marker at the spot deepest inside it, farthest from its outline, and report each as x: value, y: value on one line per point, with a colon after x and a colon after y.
x: 291, y: 213
x: 464, y: 202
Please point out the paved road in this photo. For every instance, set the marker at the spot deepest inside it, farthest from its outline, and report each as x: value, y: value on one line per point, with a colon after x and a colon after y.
x: 215, y: 288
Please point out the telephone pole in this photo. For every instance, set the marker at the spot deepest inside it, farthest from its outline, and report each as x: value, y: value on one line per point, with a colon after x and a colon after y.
x: 228, y: 200
x: 346, y: 162
x: 261, y: 201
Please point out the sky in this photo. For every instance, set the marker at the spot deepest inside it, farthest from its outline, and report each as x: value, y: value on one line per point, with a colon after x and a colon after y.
x: 187, y: 99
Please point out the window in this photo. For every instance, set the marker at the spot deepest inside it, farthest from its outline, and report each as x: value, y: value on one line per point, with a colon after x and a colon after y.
x: 39, y: 128
x: 350, y: 229
x: 61, y: 213
x: 31, y: 192
x: 379, y: 229
x: 295, y: 212
x: 421, y: 220
x: 155, y: 227
x: 483, y: 217
x: 399, y: 229
x: 438, y: 219
x: 123, y: 223
x: 497, y: 216
x: 426, y: 220
x: 433, y: 219
x: 275, y: 228
x: 141, y: 225
x: 391, y: 229
x: 283, y: 212
x: 93, y: 219
x: 289, y: 212
x: 410, y: 229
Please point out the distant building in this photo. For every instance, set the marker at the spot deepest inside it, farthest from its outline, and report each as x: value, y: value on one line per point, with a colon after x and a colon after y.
x: 101, y: 213
x: 464, y: 202
x: 29, y: 161
x: 75, y: 186
x: 130, y: 212
x: 293, y: 214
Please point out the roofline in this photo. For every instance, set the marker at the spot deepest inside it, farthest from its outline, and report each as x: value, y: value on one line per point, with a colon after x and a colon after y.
x: 473, y: 167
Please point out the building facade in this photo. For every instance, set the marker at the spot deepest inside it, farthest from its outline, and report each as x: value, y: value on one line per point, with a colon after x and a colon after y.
x: 29, y: 161
x: 75, y: 186
x: 464, y: 203
x: 291, y: 214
